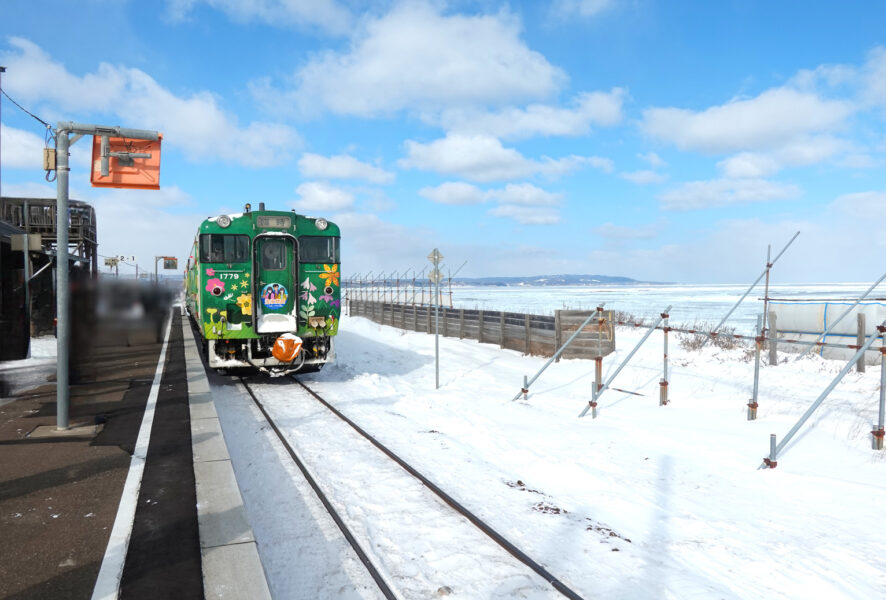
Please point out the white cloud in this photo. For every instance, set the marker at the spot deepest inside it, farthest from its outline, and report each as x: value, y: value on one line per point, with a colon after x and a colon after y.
x: 454, y: 192
x: 368, y: 241
x: 342, y: 166
x: 416, y: 58
x: 196, y: 124
x: 874, y: 77
x: 773, y: 119
x: 525, y: 194
x: 483, y: 158
x: 725, y: 192
x: 623, y: 232
x: 329, y: 15
x: 748, y: 164
x: 29, y: 189
x: 866, y: 205
x: 24, y: 150
x: 322, y: 198
x: 799, y: 152
x: 643, y: 177
x: 20, y: 149
x: 582, y: 8
x: 527, y: 215
x: 654, y: 160
x: 859, y: 160
x: 127, y: 222
x: 603, y: 109
x: 523, y: 202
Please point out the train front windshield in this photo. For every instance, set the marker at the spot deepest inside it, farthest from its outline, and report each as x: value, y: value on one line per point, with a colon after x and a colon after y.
x: 319, y: 249
x: 224, y: 248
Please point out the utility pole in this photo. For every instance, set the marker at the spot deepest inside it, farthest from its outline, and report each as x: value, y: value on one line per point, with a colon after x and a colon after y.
x: 2, y: 70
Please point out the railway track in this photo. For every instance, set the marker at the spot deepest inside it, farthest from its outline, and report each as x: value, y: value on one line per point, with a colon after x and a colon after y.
x: 384, y: 586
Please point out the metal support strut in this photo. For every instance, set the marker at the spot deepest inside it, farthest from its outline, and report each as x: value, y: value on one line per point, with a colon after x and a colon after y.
x: 879, y: 432
x: 881, y: 329
x: 758, y: 346
x: 593, y: 403
x: 765, y: 272
x: 525, y: 389
x: 663, y: 384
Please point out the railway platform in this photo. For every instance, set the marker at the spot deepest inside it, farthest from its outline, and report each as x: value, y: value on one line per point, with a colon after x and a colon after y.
x: 138, y: 498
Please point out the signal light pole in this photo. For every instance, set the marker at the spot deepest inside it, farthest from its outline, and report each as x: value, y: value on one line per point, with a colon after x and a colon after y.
x: 63, y: 296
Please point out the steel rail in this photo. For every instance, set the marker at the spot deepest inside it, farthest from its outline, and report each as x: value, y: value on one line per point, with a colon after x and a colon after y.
x: 479, y: 523
x: 373, y: 572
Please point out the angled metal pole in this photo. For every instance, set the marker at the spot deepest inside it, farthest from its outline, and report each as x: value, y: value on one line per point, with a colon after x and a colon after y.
x: 766, y: 289
x: 556, y: 354
x: 753, y: 285
x: 840, y: 318
x: 824, y: 394
x: 626, y: 360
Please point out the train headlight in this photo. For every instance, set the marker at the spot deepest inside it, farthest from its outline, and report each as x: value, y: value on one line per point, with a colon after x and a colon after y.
x: 321, y: 224
x: 224, y: 221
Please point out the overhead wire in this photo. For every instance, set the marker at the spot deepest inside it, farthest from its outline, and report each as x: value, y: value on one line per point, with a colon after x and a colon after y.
x: 49, y: 133
x: 47, y: 125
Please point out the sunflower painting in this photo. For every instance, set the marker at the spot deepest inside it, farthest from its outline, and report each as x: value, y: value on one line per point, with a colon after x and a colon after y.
x: 330, y: 274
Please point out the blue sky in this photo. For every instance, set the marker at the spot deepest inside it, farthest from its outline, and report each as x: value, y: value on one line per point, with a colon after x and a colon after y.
x: 664, y: 141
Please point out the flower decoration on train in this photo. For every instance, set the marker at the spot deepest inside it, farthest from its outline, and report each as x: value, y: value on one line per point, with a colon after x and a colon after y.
x: 244, y: 301
x: 215, y: 286
x: 306, y: 311
x: 308, y: 286
x: 210, y: 271
x: 331, y: 274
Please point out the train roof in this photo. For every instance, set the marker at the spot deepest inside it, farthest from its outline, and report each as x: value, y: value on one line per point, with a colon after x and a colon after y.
x: 259, y: 221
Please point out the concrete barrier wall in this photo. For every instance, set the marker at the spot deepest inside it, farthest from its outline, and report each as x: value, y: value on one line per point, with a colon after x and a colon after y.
x: 530, y: 334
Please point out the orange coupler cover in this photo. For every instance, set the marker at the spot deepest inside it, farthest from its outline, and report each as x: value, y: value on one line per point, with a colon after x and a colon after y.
x: 286, y: 347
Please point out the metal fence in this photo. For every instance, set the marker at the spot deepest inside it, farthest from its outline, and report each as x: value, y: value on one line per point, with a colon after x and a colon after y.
x: 531, y: 334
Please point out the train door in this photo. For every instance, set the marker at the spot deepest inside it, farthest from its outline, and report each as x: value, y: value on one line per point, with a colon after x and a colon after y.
x: 275, y: 285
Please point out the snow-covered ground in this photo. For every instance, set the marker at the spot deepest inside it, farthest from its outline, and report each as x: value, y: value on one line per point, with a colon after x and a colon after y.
x: 18, y: 375
x: 642, y: 502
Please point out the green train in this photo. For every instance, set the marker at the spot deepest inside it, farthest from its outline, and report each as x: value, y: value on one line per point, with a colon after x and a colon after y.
x: 263, y: 288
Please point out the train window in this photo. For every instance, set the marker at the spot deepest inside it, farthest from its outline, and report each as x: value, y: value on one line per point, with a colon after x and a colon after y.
x: 224, y: 248
x: 317, y: 249
x: 273, y: 254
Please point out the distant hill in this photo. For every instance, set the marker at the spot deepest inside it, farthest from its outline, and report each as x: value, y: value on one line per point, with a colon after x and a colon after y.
x: 545, y: 280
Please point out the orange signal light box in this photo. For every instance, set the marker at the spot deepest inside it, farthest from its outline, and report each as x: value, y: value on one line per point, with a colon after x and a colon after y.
x: 132, y: 173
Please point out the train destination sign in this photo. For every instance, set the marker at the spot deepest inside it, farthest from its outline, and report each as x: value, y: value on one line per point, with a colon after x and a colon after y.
x: 273, y: 222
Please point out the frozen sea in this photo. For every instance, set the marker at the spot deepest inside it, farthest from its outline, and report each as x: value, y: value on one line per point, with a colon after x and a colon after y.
x: 691, y: 304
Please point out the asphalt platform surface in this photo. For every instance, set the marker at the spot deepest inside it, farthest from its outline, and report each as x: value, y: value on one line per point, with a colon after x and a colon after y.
x: 59, y: 492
